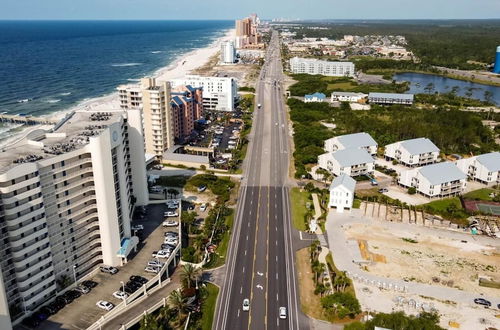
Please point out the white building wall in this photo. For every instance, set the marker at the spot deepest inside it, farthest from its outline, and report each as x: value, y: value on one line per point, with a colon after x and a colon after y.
x: 228, y: 52
x: 327, y: 68
x: 137, y: 157
x: 341, y: 198
x: 5, y: 323
x: 477, y: 171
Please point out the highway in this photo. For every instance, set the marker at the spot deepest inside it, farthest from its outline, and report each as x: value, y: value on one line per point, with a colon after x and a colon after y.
x: 260, y: 263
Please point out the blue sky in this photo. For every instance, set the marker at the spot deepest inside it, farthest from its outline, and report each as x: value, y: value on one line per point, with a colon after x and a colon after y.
x: 231, y: 9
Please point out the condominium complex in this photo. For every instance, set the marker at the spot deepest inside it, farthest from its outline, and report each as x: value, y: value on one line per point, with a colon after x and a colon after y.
x: 352, y: 162
x: 390, y: 98
x: 227, y: 52
x: 326, y: 68
x: 484, y: 168
x: 219, y: 93
x: 67, y: 197
x: 349, y: 141
x: 186, y: 107
x: 412, y: 153
x: 246, y: 31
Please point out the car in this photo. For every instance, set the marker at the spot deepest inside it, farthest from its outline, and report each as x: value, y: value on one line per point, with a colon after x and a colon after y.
x: 482, y: 301
x: 137, y: 227
x: 155, y: 263
x: 170, y: 223
x: 120, y: 295
x: 31, y: 322
x: 139, y: 279
x: 49, y: 309
x: 56, y: 306
x: 127, y: 289
x: 154, y: 270
x: 202, y: 188
x: 173, y: 202
x: 383, y: 190
x: 171, y: 234
x: 106, y: 305
x: 90, y: 284
x: 246, y: 305
x: 170, y: 240
x: 171, y: 214
x: 109, y: 269
x: 40, y: 316
x: 282, y: 312
x: 203, y: 207
x: 82, y: 289
x: 61, y: 301
x: 161, y: 254
x: 373, y: 182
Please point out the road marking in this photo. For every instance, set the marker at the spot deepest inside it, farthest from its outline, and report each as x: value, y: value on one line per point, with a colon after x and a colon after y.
x: 258, y: 286
x: 243, y: 269
x: 247, y: 237
x: 248, y: 225
x: 254, y: 254
x: 241, y: 290
x: 277, y: 297
x: 276, y: 277
x: 238, y: 312
x: 245, y: 252
x: 260, y: 274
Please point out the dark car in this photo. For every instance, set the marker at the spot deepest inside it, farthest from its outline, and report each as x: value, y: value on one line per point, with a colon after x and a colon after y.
x: 134, y: 284
x: 49, y: 310
x: 128, y: 289
x: 56, y: 305
x: 90, y: 284
x: 62, y: 300
x: 31, y: 322
x: 138, y: 279
x: 482, y: 301
x: 40, y: 316
x: 73, y: 294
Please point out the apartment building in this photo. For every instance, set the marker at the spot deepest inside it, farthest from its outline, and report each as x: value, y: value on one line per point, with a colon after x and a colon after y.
x: 219, y: 93
x: 352, y: 141
x: 186, y: 107
x: 342, y: 193
x: 153, y: 98
x: 325, y: 68
x: 352, y: 162
x: 412, y: 153
x: 390, y: 98
x: 483, y: 168
x: 227, y: 52
x: 435, y: 181
x: 67, y: 196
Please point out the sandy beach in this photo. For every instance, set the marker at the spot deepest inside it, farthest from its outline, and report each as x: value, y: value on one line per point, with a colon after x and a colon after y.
x: 177, y: 69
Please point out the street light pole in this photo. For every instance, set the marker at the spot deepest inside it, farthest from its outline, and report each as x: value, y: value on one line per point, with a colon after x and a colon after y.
x: 74, y: 272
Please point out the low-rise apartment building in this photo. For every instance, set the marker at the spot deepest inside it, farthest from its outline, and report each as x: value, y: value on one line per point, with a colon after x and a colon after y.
x: 67, y: 197
x: 219, y: 93
x: 483, y: 168
x: 348, y: 97
x: 412, y: 153
x: 352, y: 162
x: 436, y: 180
x: 390, y: 98
x: 352, y: 141
x: 326, y: 68
x: 342, y: 193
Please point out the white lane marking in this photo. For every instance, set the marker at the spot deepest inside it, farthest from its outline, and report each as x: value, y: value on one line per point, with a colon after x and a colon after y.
x: 276, y: 258
x: 245, y: 252
x: 241, y: 290
x: 249, y: 224
x: 260, y: 274
x: 243, y: 269
x: 238, y: 312
x: 276, y: 228
x: 277, y: 297
x: 258, y: 286
x: 276, y: 277
x: 247, y: 237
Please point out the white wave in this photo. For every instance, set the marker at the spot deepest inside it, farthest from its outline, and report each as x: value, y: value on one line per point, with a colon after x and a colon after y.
x: 125, y: 64
x: 24, y: 100
x: 65, y: 94
x: 52, y: 100
x: 156, y: 52
x: 133, y: 79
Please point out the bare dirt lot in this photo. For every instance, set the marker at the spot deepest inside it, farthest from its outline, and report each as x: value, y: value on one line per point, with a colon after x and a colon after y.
x: 429, y: 259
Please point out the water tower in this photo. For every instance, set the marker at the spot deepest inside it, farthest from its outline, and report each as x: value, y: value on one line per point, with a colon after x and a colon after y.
x: 496, y: 68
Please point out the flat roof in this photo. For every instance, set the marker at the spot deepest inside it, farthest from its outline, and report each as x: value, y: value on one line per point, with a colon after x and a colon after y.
x: 185, y: 158
x: 441, y: 173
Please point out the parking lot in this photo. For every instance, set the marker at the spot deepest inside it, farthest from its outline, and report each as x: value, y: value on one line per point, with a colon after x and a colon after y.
x: 83, y: 312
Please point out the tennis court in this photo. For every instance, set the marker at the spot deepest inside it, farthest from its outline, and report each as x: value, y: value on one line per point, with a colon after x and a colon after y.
x: 489, y: 208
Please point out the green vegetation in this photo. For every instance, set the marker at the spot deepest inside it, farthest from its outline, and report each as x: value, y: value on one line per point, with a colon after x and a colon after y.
x: 218, y: 258
x: 220, y: 186
x: 449, y: 208
x: 246, y: 89
x: 480, y: 194
x: 300, y: 212
x: 208, y: 309
x: 341, y: 304
x: 398, y: 320
x: 456, y: 44
x: 409, y: 240
x: 178, y: 181
x: 450, y: 99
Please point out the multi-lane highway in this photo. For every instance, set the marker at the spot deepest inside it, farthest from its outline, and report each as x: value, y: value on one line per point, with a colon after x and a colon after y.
x: 260, y: 265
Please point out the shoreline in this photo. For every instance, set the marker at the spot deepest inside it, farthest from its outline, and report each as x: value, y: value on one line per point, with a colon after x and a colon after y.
x: 178, y: 68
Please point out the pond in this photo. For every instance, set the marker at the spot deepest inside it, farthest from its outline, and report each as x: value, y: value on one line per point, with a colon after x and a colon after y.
x: 419, y: 82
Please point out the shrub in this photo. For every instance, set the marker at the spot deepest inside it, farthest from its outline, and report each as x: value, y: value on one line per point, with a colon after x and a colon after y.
x: 412, y: 190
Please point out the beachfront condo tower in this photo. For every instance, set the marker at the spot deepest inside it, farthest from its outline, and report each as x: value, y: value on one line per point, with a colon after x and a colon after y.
x: 67, y: 196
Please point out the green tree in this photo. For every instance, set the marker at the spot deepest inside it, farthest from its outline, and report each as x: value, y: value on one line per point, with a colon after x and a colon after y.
x: 349, y: 305
x: 189, y: 274
x: 149, y: 322
x: 412, y: 190
x: 188, y: 219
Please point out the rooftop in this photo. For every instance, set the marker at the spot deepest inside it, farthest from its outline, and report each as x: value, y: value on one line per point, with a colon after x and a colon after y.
x: 419, y: 146
x: 318, y: 95
x: 344, y: 180
x: 356, y: 140
x: 352, y: 156
x: 348, y: 94
x: 441, y: 173
x: 392, y: 96
x: 491, y: 161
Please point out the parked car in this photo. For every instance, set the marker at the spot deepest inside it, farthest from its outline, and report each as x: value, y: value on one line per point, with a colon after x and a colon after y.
x: 203, y: 207
x: 383, y: 190
x: 61, y: 301
x: 171, y: 234
x: 202, y: 188
x: 154, y: 270
x: 31, y: 322
x: 170, y: 223
x: 139, y: 279
x: 161, y: 254
x: 137, y: 227
x: 106, y: 305
x: 246, y: 305
x: 170, y: 240
x: 49, y: 309
x: 109, y: 269
x: 282, y: 312
x: 155, y: 263
x: 168, y: 247
x: 482, y: 301
x: 40, y: 316
x: 120, y: 295
x: 90, y: 284
x: 56, y: 306
x: 171, y: 214
x: 82, y: 289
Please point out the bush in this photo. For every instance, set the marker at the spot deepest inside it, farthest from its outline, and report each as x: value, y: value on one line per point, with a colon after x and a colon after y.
x: 188, y: 254
x: 412, y: 190
x: 349, y: 305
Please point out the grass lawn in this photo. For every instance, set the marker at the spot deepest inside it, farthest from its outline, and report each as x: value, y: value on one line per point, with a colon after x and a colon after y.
x: 219, y: 257
x: 448, y: 208
x: 443, y: 204
x: 208, y: 308
x: 480, y: 194
x: 299, y: 199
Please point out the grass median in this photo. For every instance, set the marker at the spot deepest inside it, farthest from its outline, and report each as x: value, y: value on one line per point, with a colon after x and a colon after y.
x: 208, y: 308
x: 298, y: 199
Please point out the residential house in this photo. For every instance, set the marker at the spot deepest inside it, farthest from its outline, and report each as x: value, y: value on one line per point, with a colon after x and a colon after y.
x: 483, y: 168
x: 316, y: 97
x: 412, y: 153
x: 348, y: 141
x: 353, y: 162
x: 390, y: 98
x: 348, y: 97
x: 342, y: 193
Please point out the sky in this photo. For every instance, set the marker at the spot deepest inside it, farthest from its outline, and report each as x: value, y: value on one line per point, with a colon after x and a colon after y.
x: 232, y: 9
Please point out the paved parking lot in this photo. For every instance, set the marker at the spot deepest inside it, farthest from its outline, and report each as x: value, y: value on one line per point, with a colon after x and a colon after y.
x: 83, y: 312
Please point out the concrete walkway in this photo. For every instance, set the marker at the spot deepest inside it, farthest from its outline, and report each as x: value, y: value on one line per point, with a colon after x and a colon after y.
x: 343, y: 258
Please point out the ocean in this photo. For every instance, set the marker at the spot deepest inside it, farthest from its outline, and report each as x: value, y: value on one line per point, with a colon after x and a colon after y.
x: 49, y: 66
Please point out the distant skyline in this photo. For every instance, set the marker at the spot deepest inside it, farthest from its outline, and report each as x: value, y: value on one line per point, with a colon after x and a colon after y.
x: 223, y: 9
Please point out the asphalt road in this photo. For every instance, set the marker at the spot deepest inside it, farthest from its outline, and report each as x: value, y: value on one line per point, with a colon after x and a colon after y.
x: 260, y: 265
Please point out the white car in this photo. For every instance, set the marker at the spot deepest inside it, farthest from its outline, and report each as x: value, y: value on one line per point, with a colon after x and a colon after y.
x: 120, y: 295
x: 282, y: 312
x: 170, y: 240
x: 171, y: 214
x: 246, y: 305
x: 106, y: 305
x: 155, y: 263
x: 137, y: 227
x: 170, y: 223
x: 203, y: 207
x: 161, y: 254
x: 150, y: 269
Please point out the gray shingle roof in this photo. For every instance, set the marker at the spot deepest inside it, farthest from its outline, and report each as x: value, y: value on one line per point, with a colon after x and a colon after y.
x: 419, y: 146
x: 491, y: 161
x: 352, y: 156
x: 356, y: 140
x: 344, y: 180
x: 441, y: 173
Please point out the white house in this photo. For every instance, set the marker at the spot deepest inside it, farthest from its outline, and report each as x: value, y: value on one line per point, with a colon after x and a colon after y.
x: 436, y: 180
x: 412, y: 153
x: 342, y: 193
x: 347, y: 96
x: 484, y: 168
x: 349, y: 141
x: 315, y: 97
x: 353, y: 162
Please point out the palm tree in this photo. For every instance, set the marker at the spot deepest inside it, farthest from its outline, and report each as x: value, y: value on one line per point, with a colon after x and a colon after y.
x: 179, y: 304
x: 164, y: 316
x: 149, y: 322
x: 189, y: 274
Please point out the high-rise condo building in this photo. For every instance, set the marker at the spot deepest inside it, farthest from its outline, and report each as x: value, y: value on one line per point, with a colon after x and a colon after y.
x: 227, y: 52
x: 67, y: 196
